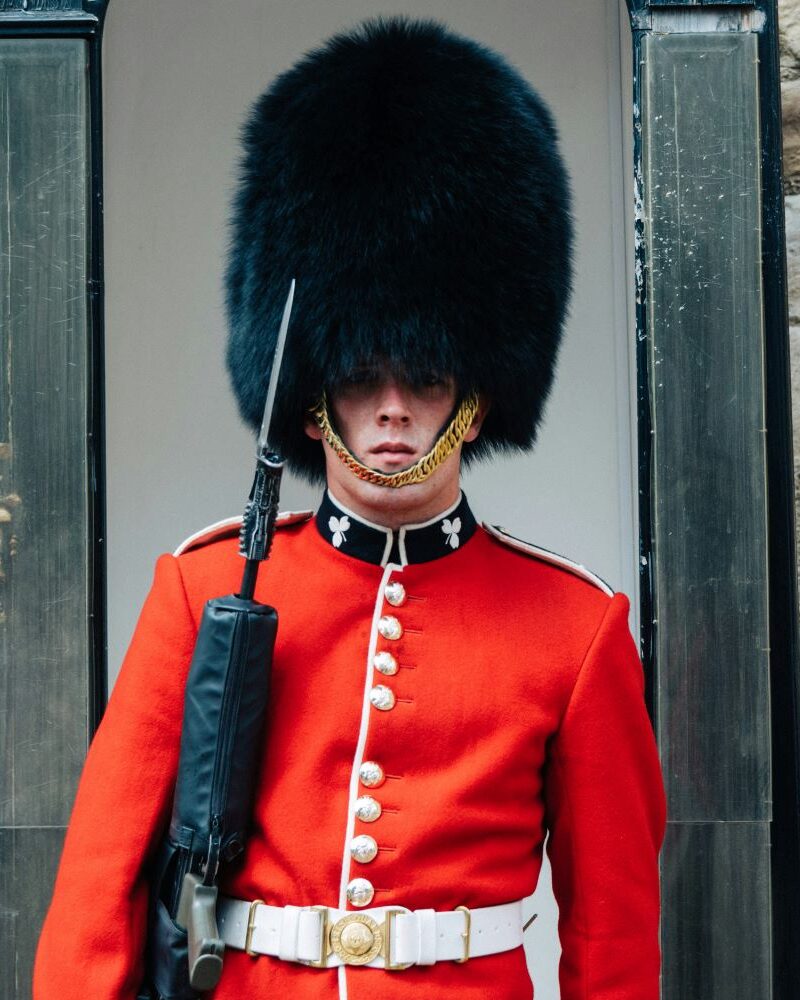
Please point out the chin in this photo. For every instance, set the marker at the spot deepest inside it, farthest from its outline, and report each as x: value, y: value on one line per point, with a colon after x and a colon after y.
x: 392, y: 498
x: 394, y: 506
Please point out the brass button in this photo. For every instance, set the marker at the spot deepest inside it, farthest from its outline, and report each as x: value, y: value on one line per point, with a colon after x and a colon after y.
x: 371, y: 774
x: 363, y: 848
x: 367, y: 808
x: 395, y: 594
x: 360, y: 892
x: 389, y: 627
x: 385, y: 663
x: 382, y: 698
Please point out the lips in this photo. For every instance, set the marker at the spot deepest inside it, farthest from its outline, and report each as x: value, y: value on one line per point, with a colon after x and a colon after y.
x: 392, y: 455
x: 393, y: 447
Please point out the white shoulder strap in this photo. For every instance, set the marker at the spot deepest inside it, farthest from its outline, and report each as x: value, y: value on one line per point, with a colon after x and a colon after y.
x: 229, y: 526
x: 547, y: 556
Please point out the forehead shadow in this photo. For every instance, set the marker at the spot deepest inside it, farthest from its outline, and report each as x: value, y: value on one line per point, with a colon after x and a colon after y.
x: 383, y: 367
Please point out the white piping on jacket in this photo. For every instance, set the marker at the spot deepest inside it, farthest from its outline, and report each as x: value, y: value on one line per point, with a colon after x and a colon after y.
x: 283, y: 520
x: 550, y: 557
x: 357, y: 759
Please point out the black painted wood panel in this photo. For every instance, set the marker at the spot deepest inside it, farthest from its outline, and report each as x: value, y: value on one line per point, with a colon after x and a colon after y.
x: 715, y: 914
x: 43, y: 122
x: 703, y: 232
x: 25, y: 889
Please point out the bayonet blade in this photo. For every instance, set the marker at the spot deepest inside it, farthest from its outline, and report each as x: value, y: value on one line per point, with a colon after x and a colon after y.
x: 277, y: 358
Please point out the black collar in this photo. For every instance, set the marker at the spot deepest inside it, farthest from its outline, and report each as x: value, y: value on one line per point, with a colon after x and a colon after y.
x: 413, y: 543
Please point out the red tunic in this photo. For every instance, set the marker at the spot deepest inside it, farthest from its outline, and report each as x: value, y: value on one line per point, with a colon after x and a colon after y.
x: 518, y: 709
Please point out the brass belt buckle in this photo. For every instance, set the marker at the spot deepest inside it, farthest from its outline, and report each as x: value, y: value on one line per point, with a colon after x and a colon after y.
x: 357, y: 939
x: 251, y: 926
x: 389, y: 916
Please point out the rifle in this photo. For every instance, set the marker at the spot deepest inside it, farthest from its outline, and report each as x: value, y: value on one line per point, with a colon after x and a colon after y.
x: 225, y: 705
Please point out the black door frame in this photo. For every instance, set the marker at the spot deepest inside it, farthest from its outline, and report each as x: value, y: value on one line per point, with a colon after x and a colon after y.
x: 84, y: 19
x: 782, y: 580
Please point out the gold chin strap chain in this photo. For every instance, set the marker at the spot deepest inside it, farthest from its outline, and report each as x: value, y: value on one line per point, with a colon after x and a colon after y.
x: 447, y: 442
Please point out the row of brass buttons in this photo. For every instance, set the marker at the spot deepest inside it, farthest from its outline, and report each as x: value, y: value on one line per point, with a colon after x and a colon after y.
x: 364, y: 848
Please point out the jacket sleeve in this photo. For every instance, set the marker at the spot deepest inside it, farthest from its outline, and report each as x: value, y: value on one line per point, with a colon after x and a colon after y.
x: 93, y: 937
x: 606, y: 816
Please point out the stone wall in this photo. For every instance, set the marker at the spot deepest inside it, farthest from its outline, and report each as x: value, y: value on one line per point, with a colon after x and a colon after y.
x: 789, y: 21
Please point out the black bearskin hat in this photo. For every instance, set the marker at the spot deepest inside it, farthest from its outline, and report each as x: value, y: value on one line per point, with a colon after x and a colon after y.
x: 410, y: 180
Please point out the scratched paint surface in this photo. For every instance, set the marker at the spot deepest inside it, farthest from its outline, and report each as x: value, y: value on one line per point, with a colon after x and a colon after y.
x: 43, y: 570
x: 50, y: 6
x: 708, y: 486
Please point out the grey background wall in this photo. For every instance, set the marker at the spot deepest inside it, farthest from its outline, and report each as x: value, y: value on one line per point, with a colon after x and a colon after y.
x: 178, y: 79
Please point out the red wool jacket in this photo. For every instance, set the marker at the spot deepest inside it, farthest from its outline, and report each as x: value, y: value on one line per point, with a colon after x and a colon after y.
x: 518, y: 710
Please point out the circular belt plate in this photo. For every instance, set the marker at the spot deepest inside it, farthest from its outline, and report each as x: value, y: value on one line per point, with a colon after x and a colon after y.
x: 356, y: 939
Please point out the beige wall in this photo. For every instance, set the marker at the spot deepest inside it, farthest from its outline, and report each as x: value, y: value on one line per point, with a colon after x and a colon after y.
x: 178, y: 78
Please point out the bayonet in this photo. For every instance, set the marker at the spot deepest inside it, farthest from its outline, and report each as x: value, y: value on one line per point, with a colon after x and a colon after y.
x: 277, y: 359
x: 258, y: 523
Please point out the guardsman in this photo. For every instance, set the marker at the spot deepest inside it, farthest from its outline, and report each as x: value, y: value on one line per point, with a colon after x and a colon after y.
x: 443, y: 694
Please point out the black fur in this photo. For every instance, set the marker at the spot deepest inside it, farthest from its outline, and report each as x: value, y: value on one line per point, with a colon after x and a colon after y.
x: 410, y: 180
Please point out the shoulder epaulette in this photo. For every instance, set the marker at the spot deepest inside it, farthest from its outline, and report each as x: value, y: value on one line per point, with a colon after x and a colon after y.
x: 547, y: 556
x: 229, y: 528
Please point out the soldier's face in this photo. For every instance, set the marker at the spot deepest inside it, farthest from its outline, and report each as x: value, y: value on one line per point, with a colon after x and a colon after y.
x: 389, y: 423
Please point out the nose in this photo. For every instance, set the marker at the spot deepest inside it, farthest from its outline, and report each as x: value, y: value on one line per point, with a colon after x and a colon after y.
x: 393, y: 404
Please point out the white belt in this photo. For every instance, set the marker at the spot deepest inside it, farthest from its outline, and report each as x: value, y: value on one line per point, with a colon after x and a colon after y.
x: 383, y: 937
